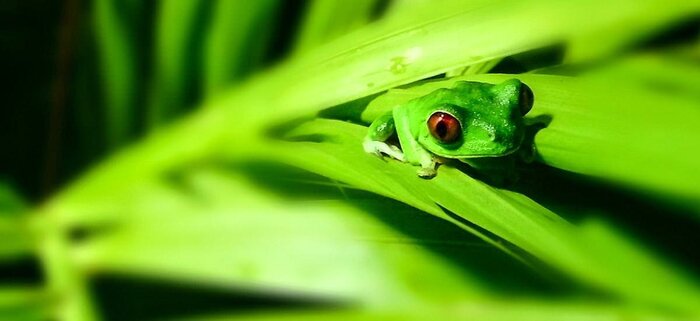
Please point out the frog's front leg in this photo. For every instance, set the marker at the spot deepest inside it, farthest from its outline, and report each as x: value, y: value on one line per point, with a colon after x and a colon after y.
x: 380, y: 130
x: 412, y: 150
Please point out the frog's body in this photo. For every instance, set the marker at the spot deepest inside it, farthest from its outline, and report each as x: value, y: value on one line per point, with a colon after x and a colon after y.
x: 470, y: 120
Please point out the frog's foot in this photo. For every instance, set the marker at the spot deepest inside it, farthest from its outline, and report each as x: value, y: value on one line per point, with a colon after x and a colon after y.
x: 527, y: 153
x: 381, y: 148
x: 426, y: 172
x: 427, y: 169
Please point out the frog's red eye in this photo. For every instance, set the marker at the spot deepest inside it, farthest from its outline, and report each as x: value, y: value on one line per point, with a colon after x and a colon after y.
x: 525, y: 99
x: 444, y: 127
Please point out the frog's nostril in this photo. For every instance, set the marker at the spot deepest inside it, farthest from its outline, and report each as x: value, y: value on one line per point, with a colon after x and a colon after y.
x: 526, y: 99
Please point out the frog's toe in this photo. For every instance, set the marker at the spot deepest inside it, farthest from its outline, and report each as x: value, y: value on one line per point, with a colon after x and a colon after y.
x: 427, y: 172
x: 528, y: 153
x: 396, y: 153
x: 371, y: 148
x: 380, y: 148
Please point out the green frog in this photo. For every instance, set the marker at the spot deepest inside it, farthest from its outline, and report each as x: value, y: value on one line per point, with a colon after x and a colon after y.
x: 468, y: 122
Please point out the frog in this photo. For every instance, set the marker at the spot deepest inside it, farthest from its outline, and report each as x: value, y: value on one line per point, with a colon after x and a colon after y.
x: 469, y: 122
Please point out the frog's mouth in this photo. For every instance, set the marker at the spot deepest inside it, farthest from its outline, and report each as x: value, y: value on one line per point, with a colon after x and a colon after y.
x: 474, y: 155
x: 506, y: 152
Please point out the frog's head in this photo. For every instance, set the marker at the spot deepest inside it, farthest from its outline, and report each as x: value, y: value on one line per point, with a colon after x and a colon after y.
x: 474, y: 119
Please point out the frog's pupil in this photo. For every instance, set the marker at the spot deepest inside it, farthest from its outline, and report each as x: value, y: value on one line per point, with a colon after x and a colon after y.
x: 441, y: 129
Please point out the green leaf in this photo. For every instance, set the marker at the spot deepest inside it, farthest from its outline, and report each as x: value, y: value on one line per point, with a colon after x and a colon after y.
x: 118, y: 67
x: 617, y: 36
x: 433, y: 40
x: 670, y: 73
x: 177, y: 49
x: 328, y: 19
x: 525, y: 310
x: 508, y: 215
x: 239, y: 31
x: 15, y: 239
x: 23, y: 304
x: 224, y: 232
x: 11, y: 203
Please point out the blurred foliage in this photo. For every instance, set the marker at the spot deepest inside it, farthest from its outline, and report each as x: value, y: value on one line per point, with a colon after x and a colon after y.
x: 202, y: 160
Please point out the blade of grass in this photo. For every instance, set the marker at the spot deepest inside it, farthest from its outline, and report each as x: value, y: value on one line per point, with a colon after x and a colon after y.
x: 328, y: 19
x: 238, y: 34
x: 178, y: 39
x: 118, y: 67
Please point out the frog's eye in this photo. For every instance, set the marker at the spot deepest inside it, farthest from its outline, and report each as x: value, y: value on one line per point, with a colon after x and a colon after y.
x: 525, y: 99
x: 444, y: 127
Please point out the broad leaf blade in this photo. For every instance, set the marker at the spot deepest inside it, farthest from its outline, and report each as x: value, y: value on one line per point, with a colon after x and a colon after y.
x: 508, y: 215
x: 230, y: 235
